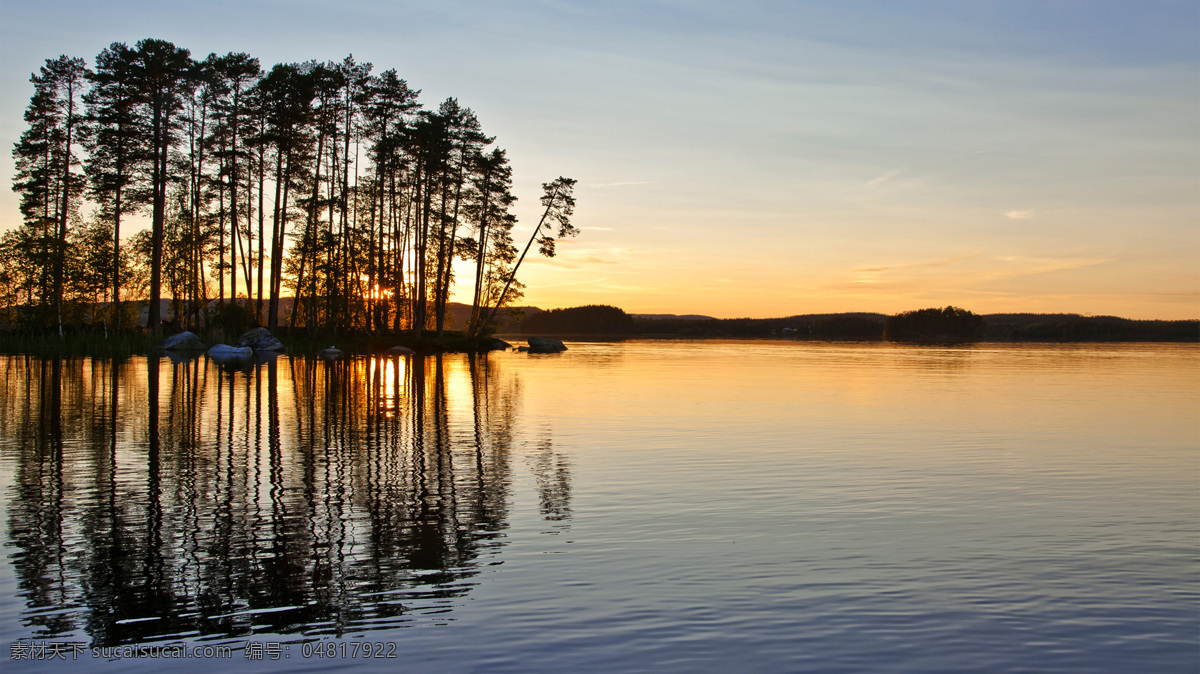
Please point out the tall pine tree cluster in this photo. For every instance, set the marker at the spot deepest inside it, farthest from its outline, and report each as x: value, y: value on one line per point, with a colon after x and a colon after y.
x: 319, y: 182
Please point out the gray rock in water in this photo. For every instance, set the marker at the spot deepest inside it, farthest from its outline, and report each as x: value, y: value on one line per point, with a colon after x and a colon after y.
x: 224, y: 352
x: 184, y: 341
x: 332, y: 353
x: 260, y: 339
x: 400, y: 351
x: 544, y: 345
x: 497, y: 345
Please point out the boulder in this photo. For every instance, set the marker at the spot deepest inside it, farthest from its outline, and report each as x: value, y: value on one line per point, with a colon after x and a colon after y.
x: 224, y: 352
x: 184, y: 341
x: 332, y: 353
x: 260, y: 339
x: 544, y: 345
x: 400, y: 351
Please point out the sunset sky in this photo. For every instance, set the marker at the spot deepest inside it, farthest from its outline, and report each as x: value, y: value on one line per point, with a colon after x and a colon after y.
x: 775, y: 158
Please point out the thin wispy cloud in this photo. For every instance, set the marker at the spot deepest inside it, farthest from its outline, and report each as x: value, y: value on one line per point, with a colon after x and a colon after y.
x: 941, y: 278
x: 883, y: 178
x: 912, y: 265
x: 1020, y: 215
x: 1029, y: 266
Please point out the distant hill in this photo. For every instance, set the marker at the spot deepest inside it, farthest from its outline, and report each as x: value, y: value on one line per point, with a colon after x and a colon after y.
x: 593, y: 320
x: 870, y: 326
x: 808, y: 326
x: 1077, y: 328
x: 683, y: 317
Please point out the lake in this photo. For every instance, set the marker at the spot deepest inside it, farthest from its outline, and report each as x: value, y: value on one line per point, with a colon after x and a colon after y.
x: 758, y: 506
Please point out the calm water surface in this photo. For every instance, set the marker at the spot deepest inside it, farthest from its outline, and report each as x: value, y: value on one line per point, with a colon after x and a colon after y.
x: 641, y: 506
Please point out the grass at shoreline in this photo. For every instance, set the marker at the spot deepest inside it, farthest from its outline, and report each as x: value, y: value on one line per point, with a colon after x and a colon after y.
x: 75, y: 344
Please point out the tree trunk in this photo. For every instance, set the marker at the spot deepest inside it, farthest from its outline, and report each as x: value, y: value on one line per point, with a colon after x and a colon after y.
x: 419, y: 260
x: 513, y: 274
x: 261, y: 240
x: 234, y: 239
x: 272, y: 315
x: 481, y: 254
x: 158, y: 177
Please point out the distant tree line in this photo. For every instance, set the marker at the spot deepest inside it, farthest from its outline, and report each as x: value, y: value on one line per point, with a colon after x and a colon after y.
x: 322, y: 181
x: 1076, y: 328
x: 926, y: 325
x: 856, y: 326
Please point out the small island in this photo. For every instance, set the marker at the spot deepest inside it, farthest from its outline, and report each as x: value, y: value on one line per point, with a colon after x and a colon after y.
x: 322, y: 201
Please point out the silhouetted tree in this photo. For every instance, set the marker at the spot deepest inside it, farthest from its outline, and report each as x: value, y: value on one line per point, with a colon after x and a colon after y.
x: 388, y: 105
x: 163, y: 73
x: 116, y: 157
x: 45, y: 157
x: 235, y: 72
x: 466, y: 143
x: 288, y: 94
x: 488, y: 209
x: 559, y: 201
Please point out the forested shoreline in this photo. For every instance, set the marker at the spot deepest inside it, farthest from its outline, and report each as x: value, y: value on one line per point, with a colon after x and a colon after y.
x: 944, y: 325
x: 317, y: 181
x: 872, y: 327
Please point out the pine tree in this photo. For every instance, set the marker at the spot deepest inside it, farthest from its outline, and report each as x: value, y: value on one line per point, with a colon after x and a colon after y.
x: 288, y: 93
x: 163, y: 73
x: 45, y: 159
x: 116, y: 161
x: 236, y: 72
x: 489, y: 202
x: 559, y: 201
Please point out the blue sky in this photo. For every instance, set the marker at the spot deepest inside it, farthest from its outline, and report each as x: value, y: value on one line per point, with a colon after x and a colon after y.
x: 773, y: 158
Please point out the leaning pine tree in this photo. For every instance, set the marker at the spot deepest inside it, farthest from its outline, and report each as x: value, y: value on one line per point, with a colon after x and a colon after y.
x: 560, y: 204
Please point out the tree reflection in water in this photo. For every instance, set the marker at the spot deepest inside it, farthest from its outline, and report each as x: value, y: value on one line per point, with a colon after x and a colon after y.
x: 161, y: 499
